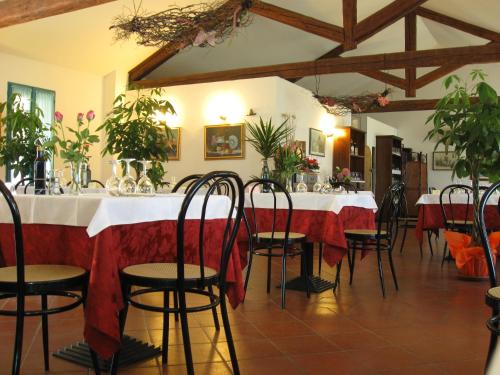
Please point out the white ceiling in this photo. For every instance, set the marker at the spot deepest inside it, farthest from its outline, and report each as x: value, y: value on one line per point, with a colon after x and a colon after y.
x: 82, y: 40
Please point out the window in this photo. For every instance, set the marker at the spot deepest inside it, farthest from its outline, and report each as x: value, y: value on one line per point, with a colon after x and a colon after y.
x: 31, y: 98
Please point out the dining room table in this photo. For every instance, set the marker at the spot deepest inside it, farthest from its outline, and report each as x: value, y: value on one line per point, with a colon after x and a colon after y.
x: 430, y: 216
x: 321, y: 217
x: 104, y: 234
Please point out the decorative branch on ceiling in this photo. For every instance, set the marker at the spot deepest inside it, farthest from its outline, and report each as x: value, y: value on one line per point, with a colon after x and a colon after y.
x: 200, y: 25
x: 342, y: 105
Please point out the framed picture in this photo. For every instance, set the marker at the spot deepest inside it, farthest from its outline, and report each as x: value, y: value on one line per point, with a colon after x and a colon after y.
x: 317, y: 142
x: 174, y: 145
x: 224, y: 142
x: 443, y: 161
x: 301, y: 145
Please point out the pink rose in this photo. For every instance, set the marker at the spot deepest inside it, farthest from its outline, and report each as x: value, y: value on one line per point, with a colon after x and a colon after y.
x: 90, y: 115
x: 58, y: 116
x: 383, y: 101
x: 346, y: 172
x: 79, y: 117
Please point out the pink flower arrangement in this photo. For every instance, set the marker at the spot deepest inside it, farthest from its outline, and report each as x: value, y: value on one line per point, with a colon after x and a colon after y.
x: 342, y: 175
x: 383, y: 100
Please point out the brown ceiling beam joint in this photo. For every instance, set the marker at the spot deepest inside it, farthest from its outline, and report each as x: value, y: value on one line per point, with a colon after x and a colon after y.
x: 350, y: 14
x: 411, y: 45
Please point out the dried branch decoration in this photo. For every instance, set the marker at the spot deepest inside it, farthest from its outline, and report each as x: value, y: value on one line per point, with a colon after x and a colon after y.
x: 201, y: 25
x: 342, y: 105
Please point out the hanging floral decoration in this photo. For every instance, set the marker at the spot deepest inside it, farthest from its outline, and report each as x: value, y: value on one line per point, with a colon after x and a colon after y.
x: 200, y: 25
x: 342, y: 105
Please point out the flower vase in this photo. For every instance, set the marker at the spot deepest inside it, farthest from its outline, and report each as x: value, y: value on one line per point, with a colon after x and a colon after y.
x: 265, y: 175
x: 288, y: 184
x: 76, y: 178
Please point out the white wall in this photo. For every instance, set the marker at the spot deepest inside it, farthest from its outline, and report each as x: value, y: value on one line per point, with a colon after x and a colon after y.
x: 75, y: 92
x: 375, y: 127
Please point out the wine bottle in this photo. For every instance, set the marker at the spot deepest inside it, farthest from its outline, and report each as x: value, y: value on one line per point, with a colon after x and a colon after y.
x: 39, y: 172
x: 265, y: 175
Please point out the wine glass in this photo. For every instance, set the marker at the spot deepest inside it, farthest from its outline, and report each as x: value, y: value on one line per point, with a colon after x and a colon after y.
x: 112, y: 183
x: 127, y: 184
x: 145, y: 185
x: 327, y: 187
x: 301, y: 186
x: 317, y: 185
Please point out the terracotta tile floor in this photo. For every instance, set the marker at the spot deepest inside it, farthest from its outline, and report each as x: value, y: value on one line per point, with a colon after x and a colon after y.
x: 433, y: 326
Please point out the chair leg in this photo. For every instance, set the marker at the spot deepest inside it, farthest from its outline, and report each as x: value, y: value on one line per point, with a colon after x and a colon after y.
x: 45, y: 332
x: 214, y: 309
x: 18, y: 343
x: 337, y: 276
x: 445, y: 249
x: 176, y: 306
x: 166, y: 328
x: 185, y: 333
x: 305, y: 275
x: 113, y: 370
x: 429, y: 235
x: 380, y: 270
x: 393, y: 270
x: 403, y: 240
x: 320, y: 257
x: 353, y: 262
x: 491, y: 350
x: 93, y: 354
x: 247, y: 276
x: 283, y: 280
x: 229, y: 335
x: 269, y: 272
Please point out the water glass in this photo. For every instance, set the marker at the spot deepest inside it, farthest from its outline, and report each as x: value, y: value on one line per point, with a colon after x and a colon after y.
x: 317, y: 185
x: 326, y: 187
x: 127, y: 184
x: 113, y: 182
x: 301, y: 186
x: 145, y: 185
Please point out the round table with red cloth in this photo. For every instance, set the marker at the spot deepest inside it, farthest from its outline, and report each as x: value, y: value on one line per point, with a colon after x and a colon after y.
x: 430, y: 217
x: 109, y: 251
x: 318, y: 226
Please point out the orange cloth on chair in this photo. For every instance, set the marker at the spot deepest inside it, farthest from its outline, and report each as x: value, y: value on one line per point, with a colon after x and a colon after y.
x: 471, y: 260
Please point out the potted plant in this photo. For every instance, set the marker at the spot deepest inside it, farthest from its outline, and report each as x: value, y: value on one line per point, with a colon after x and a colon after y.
x: 20, y: 132
x: 133, y: 131
x: 288, y: 160
x: 468, y: 120
x: 266, y: 138
x: 74, y: 150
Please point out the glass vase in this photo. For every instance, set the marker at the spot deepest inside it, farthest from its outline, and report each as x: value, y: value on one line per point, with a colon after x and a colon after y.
x: 265, y: 175
x: 75, y: 188
x: 288, y: 183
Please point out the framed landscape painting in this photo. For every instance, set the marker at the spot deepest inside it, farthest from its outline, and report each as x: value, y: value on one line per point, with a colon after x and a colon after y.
x: 224, y: 142
x: 174, y: 144
x: 317, y: 142
x: 443, y: 161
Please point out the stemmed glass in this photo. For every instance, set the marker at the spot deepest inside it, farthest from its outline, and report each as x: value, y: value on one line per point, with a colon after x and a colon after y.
x: 317, y: 185
x: 301, y: 186
x: 145, y: 185
x: 113, y: 183
x: 127, y: 184
x: 327, y: 187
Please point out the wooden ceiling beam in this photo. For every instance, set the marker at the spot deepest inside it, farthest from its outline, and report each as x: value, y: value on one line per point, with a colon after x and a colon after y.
x: 297, y: 20
x: 411, y: 45
x: 13, y: 12
x: 397, y: 60
x: 384, y: 18
x: 390, y: 79
x: 350, y: 13
x: 435, y: 74
x: 458, y: 24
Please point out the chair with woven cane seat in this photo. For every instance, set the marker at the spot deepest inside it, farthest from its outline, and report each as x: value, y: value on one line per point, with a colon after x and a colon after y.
x: 45, y: 280
x: 453, y: 220
x: 380, y: 239
x: 493, y: 294
x: 274, y: 242
x: 184, y: 278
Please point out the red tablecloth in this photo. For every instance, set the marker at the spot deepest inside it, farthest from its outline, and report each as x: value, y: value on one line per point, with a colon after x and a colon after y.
x: 111, y: 250
x: 431, y: 217
x: 318, y: 226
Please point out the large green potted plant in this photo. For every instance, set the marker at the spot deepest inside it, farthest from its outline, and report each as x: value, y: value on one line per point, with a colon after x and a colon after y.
x: 20, y: 132
x: 467, y: 120
x: 133, y: 131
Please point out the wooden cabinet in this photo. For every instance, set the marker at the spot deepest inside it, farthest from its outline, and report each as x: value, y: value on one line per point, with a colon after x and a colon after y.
x: 389, y: 166
x: 415, y: 178
x: 349, y: 152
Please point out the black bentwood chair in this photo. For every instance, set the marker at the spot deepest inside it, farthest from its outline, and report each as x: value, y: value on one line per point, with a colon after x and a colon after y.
x: 184, y: 278
x: 380, y: 239
x: 273, y: 243
x: 453, y: 220
x: 493, y: 294
x: 44, y: 280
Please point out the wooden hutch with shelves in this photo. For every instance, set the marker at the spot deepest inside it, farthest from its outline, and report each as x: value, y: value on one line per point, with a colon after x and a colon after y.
x: 415, y: 179
x: 389, y: 166
x: 349, y: 152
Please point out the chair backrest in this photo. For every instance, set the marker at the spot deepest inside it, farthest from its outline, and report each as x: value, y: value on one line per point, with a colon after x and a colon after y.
x: 97, y: 182
x: 483, y: 233
x: 188, y: 181
x: 391, y: 209
x: 251, y: 221
x: 232, y: 222
x: 18, y: 236
x: 448, y: 201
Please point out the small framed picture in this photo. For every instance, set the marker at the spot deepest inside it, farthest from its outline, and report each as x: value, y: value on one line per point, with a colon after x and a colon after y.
x: 174, y: 144
x: 224, y: 142
x: 443, y: 161
x: 317, y: 142
x: 300, y: 145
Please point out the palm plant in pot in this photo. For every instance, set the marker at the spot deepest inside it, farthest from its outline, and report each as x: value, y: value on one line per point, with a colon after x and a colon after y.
x: 266, y: 138
x: 134, y: 132
x: 468, y: 120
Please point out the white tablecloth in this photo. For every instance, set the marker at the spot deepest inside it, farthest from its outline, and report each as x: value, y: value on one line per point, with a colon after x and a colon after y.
x: 455, y: 199
x: 96, y: 212
x: 314, y: 201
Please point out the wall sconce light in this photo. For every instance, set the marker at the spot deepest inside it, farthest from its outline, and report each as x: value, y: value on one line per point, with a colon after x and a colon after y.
x: 223, y: 118
x: 251, y: 113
